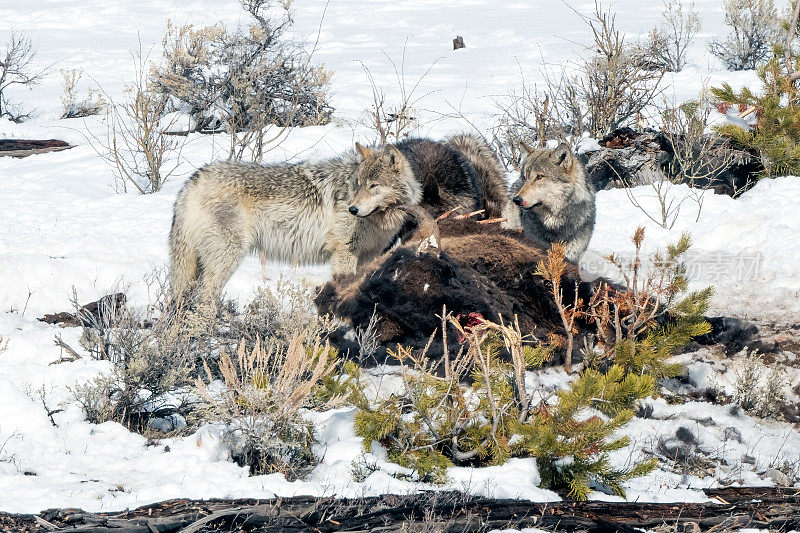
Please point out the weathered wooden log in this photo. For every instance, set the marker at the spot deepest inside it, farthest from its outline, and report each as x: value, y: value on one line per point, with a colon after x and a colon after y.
x: 628, y: 158
x: 100, y: 311
x: 735, y: 507
x: 23, y: 147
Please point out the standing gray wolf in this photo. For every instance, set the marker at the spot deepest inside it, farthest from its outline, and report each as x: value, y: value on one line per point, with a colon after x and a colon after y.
x: 344, y: 210
x: 556, y: 201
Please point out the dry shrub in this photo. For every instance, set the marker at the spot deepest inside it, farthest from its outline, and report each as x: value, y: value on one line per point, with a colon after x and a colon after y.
x: 264, y: 390
x: 394, y: 121
x: 17, y: 67
x: 617, y: 85
x: 74, y: 106
x: 614, y: 87
x: 245, y: 80
x: 552, y: 269
x: 753, y: 31
x: 668, y: 43
x: 643, y: 325
x: 138, y: 145
x: 534, y: 115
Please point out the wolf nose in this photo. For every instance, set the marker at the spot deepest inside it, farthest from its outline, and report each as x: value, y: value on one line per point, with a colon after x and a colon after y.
x: 517, y: 199
x: 353, y: 210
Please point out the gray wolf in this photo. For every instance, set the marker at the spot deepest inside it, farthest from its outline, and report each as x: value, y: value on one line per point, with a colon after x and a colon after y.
x: 554, y: 200
x: 344, y: 210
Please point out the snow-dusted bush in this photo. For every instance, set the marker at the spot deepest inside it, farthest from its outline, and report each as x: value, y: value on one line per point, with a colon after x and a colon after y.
x: 668, y: 43
x: 699, y: 157
x: 758, y: 389
x: 259, y: 405
x: 156, y: 359
x: 242, y: 81
x: 753, y: 30
x: 74, y: 106
x: 150, y: 365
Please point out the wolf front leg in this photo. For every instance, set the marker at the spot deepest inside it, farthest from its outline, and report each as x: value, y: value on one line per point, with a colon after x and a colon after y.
x: 344, y: 261
x: 342, y: 241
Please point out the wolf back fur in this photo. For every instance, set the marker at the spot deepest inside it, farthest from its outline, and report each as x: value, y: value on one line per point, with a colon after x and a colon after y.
x: 554, y: 200
x: 462, y: 170
x: 489, y: 173
x: 289, y: 212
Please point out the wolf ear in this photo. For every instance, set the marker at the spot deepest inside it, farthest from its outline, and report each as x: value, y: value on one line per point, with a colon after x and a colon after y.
x: 362, y: 151
x: 562, y: 156
x: 525, y: 148
x: 395, y: 158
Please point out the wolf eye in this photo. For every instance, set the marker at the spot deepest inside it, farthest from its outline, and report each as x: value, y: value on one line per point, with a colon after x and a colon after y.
x: 373, y: 186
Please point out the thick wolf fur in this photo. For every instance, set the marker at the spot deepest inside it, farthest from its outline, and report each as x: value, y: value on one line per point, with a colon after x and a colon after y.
x: 461, y: 170
x: 292, y: 212
x: 554, y: 200
x: 488, y: 171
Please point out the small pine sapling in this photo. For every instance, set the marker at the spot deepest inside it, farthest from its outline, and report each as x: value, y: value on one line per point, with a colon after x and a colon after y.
x: 776, y: 134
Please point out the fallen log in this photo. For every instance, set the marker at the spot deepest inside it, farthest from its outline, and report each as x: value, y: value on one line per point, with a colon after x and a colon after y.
x: 24, y: 147
x: 734, y: 507
x: 629, y: 158
x: 100, y: 311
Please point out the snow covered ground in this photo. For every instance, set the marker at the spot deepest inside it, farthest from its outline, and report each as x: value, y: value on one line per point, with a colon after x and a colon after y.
x: 62, y: 225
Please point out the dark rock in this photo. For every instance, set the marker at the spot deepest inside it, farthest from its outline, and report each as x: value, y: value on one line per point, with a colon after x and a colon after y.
x: 685, y: 435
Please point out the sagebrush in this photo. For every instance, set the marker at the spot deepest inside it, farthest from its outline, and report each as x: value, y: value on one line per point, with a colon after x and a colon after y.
x: 259, y: 405
x: 244, y: 80
x: 753, y: 30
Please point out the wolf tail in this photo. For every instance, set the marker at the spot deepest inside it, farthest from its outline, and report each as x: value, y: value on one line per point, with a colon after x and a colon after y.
x: 488, y: 171
x: 183, y: 257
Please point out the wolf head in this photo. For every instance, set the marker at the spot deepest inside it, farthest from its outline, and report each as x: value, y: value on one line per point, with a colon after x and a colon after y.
x: 384, y: 180
x: 550, y: 176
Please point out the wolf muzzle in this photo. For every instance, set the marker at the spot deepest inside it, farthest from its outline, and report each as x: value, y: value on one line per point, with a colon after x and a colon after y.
x: 522, y: 203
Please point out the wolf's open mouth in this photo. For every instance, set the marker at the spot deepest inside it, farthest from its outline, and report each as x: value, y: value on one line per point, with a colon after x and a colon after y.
x: 530, y: 206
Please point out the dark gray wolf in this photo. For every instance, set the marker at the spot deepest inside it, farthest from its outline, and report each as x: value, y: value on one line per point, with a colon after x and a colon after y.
x: 554, y: 200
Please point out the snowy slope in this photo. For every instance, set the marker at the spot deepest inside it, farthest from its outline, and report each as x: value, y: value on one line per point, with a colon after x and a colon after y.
x: 63, y: 226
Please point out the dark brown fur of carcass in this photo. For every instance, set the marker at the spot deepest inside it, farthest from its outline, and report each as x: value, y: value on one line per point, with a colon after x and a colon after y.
x: 481, y: 268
